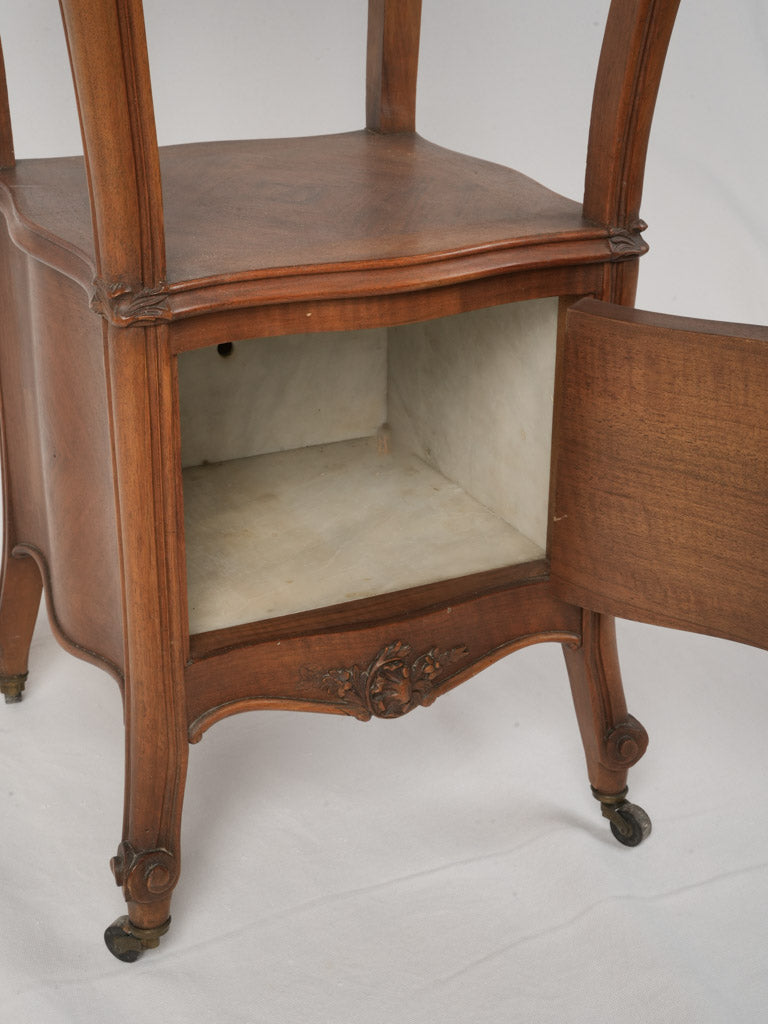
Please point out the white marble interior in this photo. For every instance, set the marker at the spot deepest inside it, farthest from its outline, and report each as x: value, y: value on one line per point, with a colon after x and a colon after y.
x: 288, y: 531
x: 290, y: 503
x: 472, y: 396
x: 274, y: 394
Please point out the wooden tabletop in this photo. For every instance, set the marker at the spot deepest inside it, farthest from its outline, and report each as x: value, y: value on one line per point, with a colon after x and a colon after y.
x: 245, y: 209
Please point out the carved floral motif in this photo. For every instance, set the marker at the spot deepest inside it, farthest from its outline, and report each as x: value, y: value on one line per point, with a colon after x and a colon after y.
x: 392, y: 684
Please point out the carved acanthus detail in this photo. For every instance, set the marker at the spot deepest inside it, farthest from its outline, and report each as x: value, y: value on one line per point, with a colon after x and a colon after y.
x: 627, y: 242
x: 392, y: 684
x: 123, y: 307
x: 145, y: 875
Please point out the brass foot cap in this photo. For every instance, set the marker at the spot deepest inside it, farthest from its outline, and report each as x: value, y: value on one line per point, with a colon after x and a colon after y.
x: 12, y: 688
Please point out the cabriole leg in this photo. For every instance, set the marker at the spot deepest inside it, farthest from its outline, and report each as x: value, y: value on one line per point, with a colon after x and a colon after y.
x: 147, y: 457
x: 20, y: 591
x: 613, y: 740
x: 148, y: 859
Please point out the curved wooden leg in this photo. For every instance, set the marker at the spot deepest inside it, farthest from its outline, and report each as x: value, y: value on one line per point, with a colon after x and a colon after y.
x: 613, y: 740
x: 148, y: 860
x: 146, y: 453
x: 20, y: 590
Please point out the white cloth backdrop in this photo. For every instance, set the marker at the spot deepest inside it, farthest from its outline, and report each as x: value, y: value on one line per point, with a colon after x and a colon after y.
x: 450, y: 867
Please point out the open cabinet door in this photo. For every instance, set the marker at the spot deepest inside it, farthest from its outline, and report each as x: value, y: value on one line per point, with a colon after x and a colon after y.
x: 660, y: 497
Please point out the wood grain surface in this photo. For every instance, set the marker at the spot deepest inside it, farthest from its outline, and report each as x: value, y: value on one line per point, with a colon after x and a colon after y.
x: 114, y: 264
x: 662, y: 471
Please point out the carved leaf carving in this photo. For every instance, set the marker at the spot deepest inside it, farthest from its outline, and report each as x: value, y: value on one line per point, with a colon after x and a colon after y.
x: 123, y: 307
x: 393, y: 683
x: 626, y: 243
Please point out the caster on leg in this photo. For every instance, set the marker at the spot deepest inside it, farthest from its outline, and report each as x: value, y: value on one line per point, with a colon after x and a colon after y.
x: 12, y: 687
x: 127, y: 942
x: 630, y: 824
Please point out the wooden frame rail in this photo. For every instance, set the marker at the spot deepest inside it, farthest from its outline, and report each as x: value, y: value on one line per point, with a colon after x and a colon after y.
x: 635, y: 43
x: 7, y: 158
x: 393, y: 59
x: 108, y: 51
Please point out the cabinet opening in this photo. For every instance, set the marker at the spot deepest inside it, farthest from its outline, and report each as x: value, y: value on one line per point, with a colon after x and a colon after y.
x: 325, y: 468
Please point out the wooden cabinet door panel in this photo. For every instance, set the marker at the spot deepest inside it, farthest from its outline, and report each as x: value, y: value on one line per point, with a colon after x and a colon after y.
x: 660, y: 499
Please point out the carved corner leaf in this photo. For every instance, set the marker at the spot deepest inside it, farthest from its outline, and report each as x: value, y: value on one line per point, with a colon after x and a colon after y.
x: 628, y: 242
x: 123, y: 307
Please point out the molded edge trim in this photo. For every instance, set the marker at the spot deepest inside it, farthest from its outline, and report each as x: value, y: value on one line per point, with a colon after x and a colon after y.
x: 123, y: 308
x: 122, y: 305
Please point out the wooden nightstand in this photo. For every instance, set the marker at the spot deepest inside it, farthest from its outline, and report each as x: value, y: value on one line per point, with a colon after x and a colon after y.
x: 277, y: 414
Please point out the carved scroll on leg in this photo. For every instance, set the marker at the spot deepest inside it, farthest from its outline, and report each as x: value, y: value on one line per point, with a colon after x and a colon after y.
x: 613, y: 740
x: 147, y: 876
x: 148, y: 859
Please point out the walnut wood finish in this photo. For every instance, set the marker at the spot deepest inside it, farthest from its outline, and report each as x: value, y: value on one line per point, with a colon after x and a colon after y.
x: 290, y: 669
x: 146, y: 455
x: 7, y: 158
x: 20, y: 589
x: 634, y: 47
x: 662, y: 472
x: 636, y: 37
x: 110, y: 68
x: 310, y: 220
x: 114, y: 264
x: 393, y: 61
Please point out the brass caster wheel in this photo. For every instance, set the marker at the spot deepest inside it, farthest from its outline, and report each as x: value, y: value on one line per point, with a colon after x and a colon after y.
x: 630, y: 824
x: 12, y: 688
x: 633, y: 825
x: 127, y: 942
